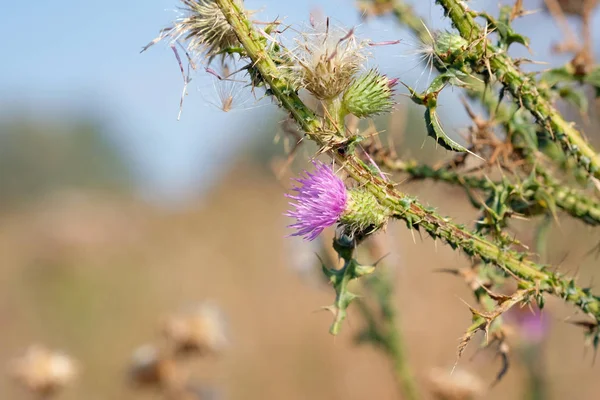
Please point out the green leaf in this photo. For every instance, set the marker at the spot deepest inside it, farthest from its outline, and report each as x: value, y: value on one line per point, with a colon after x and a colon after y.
x: 435, y: 130
x: 555, y: 76
x: 451, y: 76
x: 575, y: 97
x: 593, y: 78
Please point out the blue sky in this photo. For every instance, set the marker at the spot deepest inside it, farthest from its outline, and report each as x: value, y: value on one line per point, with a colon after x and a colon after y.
x: 73, y: 56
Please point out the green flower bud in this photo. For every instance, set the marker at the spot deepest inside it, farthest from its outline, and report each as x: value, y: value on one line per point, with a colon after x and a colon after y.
x: 370, y: 94
x: 363, y: 213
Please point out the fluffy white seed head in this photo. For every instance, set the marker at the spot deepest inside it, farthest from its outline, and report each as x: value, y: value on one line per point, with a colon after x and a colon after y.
x: 328, y: 58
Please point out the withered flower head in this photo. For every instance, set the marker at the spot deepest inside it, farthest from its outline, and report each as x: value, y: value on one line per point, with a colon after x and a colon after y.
x: 328, y: 58
x: 150, y: 367
x: 201, y: 329
x: 202, y: 27
x: 458, y: 385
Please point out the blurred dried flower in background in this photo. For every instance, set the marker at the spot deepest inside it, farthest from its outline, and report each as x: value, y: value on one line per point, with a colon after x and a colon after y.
x: 149, y: 367
x: 200, y: 329
x: 458, y: 385
x: 43, y: 371
x: 582, y: 9
x: 575, y: 7
x: 531, y: 324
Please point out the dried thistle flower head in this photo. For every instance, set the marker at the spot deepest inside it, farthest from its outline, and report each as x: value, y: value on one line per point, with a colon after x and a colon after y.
x: 576, y: 7
x: 203, y: 27
x: 201, y: 329
x: 328, y: 59
x: 43, y: 371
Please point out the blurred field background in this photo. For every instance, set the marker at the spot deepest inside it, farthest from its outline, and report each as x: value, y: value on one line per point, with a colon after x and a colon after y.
x: 113, y: 216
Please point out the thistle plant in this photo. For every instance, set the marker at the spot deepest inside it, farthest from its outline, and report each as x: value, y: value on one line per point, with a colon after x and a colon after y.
x: 544, y: 162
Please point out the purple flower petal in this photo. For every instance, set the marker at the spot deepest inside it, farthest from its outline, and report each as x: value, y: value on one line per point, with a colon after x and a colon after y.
x: 320, y: 200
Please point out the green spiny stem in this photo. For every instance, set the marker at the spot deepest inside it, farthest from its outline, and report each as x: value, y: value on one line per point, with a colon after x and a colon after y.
x: 569, y: 200
x: 400, y: 205
x: 483, y: 320
x: 423, y: 171
x: 382, y: 328
x: 576, y: 203
x: 513, y: 121
x: 340, y: 279
x: 523, y: 88
x: 572, y: 201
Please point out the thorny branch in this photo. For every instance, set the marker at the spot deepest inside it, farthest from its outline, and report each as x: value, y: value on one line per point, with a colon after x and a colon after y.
x: 531, y: 276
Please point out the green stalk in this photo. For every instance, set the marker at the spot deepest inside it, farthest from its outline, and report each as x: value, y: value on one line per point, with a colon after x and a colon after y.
x: 572, y: 201
x: 523, y: 88
x: 400, y: 205
x: 382, y: 328
x: 576, y: 204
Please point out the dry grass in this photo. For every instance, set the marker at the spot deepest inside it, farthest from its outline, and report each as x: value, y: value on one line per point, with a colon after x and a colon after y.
x: 92, y: 274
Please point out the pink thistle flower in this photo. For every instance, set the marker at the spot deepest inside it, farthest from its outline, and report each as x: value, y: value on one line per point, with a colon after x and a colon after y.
x: 320, y: 201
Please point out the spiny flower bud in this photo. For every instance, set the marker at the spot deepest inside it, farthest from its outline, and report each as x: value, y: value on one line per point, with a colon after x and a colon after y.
x: 328, y: 59
x: 323, y: 200
x: 203, y: 27
x: 363, y: 212
x: 370, y: 94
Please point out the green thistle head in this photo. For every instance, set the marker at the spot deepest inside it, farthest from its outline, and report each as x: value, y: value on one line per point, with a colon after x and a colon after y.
x: 369, y: 95
x: 363, y: 214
